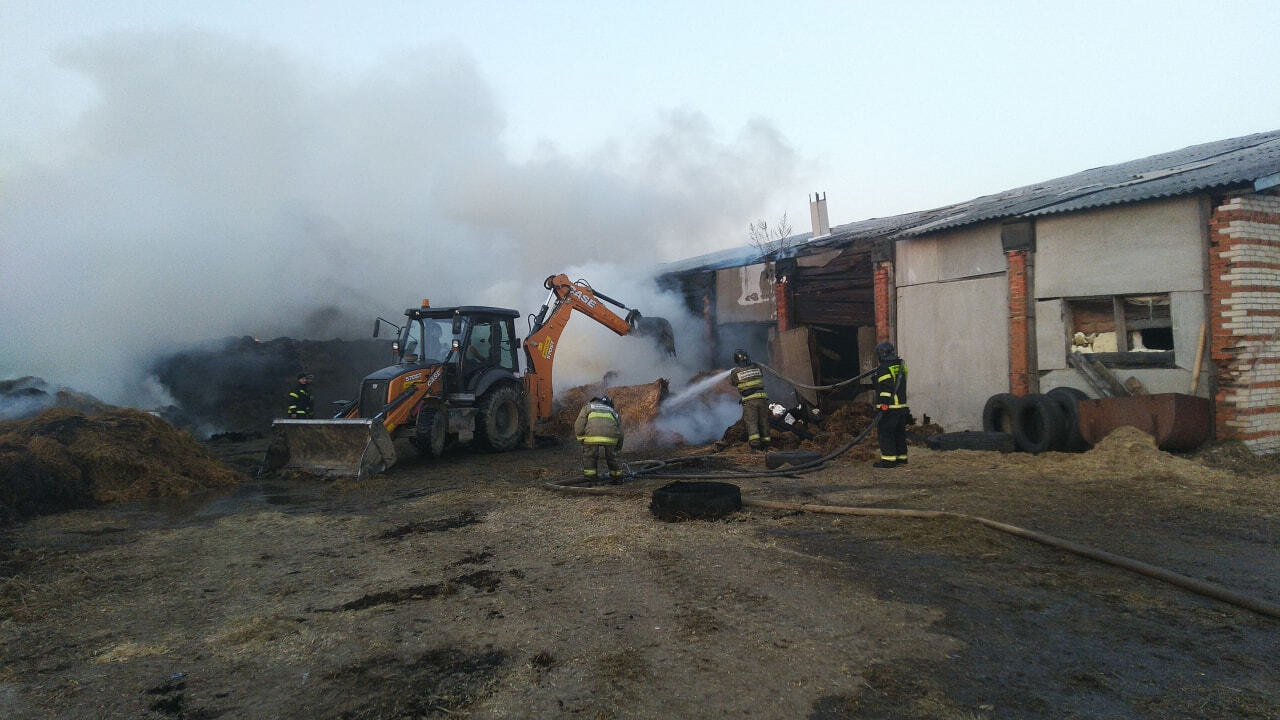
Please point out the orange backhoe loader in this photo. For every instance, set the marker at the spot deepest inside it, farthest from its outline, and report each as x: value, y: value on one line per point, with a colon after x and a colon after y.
x: 456, y: 380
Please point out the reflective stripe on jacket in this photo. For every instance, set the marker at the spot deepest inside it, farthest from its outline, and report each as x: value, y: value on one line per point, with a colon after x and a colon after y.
x: 300, y: 401
x: 598, y: 424
x: 891, y: 384
x: 749, y: 380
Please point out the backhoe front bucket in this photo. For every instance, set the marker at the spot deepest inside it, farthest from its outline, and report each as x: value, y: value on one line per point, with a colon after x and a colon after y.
x: 357, y: 447
x: 659, y: 329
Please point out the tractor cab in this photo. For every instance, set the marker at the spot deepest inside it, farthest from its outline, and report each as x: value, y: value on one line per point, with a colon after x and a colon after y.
x: 474, y: 344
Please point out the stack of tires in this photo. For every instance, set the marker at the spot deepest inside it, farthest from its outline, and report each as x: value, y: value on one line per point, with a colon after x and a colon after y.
x: 1038, y: 423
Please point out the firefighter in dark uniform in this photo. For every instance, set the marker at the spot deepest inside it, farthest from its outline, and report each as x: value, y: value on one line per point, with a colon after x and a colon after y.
x: 891, y: 400
x: 748, y: 378
x: 599, y: 429
x: 300, y: 398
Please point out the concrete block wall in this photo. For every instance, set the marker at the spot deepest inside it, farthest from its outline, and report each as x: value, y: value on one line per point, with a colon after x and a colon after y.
x: 1244, y: 282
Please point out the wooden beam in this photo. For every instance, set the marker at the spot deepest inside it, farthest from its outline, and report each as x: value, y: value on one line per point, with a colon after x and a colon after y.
x: 1097, y: 375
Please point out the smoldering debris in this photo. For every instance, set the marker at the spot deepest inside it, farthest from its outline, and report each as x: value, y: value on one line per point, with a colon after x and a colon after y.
x: 240, y: 384
x: 637, y: 405
x: 652, y: 418
x: 29, y: 396
x: 832, y: 432
x: 64, y: 459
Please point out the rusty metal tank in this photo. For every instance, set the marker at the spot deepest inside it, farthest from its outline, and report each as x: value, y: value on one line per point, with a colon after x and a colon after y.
x: 1177, y: 421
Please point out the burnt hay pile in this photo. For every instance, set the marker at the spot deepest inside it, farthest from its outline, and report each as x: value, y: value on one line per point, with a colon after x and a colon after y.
x: 28, y: 396
x: 834, y: 431
x: 240, y: 384
x: 638, y: 406
x: 64, y: 459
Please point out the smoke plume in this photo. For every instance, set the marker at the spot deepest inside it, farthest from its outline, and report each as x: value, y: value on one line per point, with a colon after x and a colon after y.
x: 217, y: 187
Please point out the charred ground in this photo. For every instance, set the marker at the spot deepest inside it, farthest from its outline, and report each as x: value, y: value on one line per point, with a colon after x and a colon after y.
x: 463, y: 587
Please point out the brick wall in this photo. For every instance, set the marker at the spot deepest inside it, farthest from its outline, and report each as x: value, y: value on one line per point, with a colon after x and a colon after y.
x: 1020, y: 372
x: 1244, y: 281
x: 783, y: 301
x: 884, y: 300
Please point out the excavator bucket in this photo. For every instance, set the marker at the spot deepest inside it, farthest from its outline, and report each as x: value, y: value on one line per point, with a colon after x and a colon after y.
x: 659, y: 329
x: 357, y: 447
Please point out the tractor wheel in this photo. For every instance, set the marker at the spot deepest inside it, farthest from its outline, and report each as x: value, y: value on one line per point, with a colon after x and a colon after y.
x: 501, y: 419
x: 432, y: 431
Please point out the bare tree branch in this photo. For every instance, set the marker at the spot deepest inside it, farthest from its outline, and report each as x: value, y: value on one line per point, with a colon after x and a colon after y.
x: 770, y: 241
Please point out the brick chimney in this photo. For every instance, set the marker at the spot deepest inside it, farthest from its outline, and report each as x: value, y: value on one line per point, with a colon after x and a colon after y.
x: 818, y: 215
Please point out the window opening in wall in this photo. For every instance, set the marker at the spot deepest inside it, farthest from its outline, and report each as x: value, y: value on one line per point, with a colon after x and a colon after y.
x: 1127, y: 329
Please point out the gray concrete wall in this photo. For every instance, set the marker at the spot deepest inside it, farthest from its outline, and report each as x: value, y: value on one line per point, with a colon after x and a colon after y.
x: 1188, y: 312
x: 745, y: 294
x: 1148, y: 247
x: 964, y: 253
x: 1051, y: 335
x: 1155, y: 380
x: 954, y: 338
x: 1154, y: 247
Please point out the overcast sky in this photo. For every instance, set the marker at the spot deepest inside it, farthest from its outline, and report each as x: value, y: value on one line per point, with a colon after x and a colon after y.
x: 890, y: 107
x: 251, y: 162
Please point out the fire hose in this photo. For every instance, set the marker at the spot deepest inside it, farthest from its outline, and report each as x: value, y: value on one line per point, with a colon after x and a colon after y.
x: 1199, y: 587
x: 793, y: 383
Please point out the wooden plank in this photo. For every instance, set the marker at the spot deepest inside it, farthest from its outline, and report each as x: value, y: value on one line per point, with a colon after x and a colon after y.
x: 1076, y: 360
x: 1117, y: 388
x: 793, y: 358
x: 1102, y: 380
x: 840, y: 292
x: 1122, y: 333
x: 1135, y: 360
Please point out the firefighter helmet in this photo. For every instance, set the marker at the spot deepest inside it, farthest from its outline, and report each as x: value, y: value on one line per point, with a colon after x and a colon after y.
x: 885, y: 351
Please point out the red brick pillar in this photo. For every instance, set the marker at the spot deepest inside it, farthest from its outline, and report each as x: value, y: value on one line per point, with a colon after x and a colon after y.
x: 782, y: 300
x: 1244, y: 318
x: 1020, y: 372
x: 883, y: 292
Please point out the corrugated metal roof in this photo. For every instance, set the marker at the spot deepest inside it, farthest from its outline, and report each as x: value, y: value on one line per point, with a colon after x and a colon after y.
x: 1232, y: 163
x: 1235, y: 162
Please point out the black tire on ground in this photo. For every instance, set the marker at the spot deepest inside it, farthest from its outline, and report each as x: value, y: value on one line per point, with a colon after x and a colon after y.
x: 695, y: 501
x: 1039, y: 425
x: 972, y: 440
x: 500, y: 420
x: 431, y: 432
x: 1067, y: 399
x: 999, y: 412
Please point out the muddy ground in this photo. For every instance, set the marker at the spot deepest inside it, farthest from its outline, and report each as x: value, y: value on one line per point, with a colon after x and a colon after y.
x: 464, y: 588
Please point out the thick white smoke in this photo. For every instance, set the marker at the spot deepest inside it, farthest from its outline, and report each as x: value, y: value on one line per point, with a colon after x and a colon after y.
x: 218, y: 187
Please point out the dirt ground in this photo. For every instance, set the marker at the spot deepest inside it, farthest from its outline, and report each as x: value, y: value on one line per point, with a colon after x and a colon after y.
x: 463, y: 587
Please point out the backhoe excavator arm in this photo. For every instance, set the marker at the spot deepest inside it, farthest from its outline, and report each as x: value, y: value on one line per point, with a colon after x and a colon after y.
x: 544, y: 332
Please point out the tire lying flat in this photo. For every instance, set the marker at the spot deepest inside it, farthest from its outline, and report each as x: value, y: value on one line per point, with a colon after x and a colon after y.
x: 695, y: 501
x: 972, y: 440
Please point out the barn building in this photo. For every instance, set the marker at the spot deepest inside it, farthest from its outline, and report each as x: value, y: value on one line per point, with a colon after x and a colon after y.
x: 1166, y: 269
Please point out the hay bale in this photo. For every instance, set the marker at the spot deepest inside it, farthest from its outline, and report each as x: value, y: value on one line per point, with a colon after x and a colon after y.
x: 62, y: 459
x: 638, y: 406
